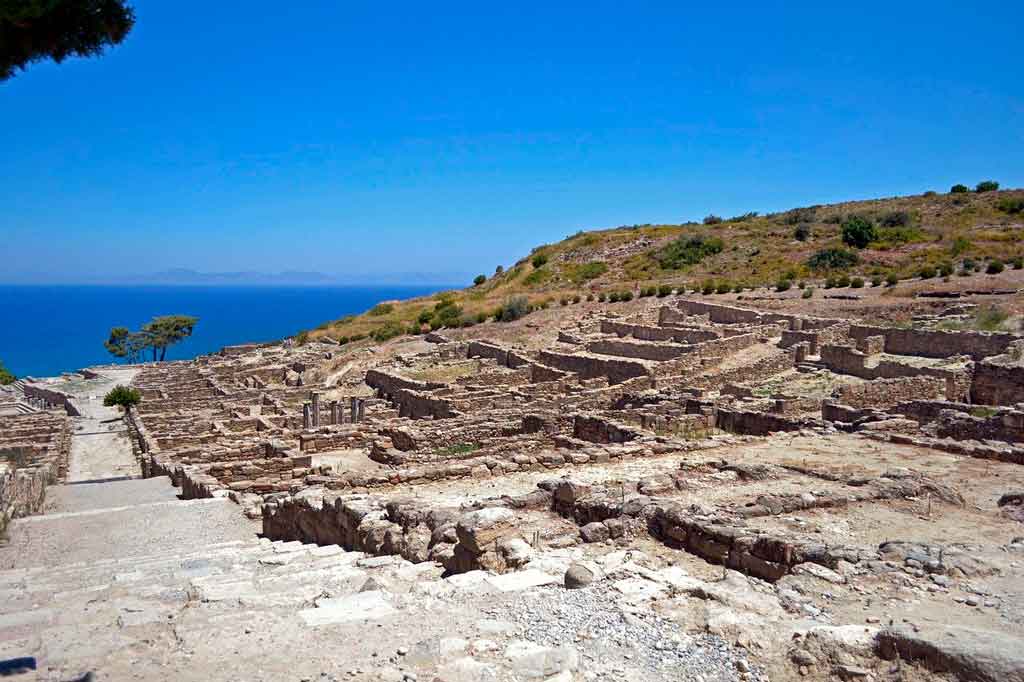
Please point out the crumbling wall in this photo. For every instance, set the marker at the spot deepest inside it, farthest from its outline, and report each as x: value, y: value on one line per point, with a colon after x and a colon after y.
x: 592, y: 366
x: 997, y: 383
x: 884, y: 393
x: 936, y: 343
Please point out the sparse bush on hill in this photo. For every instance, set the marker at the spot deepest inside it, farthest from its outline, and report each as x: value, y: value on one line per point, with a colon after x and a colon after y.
x: 712, y: 220
x: 896, y: 219
x: 843, y: 281
x: 876, y: 281
x: 892, y: 279
x: 802, y: 232
x: 1011, y: 205
x: 388, y: 330
x: 859, y: 231
x: 994, y: 267
x: 743, y: 218
x: 688, y: 251
x: 857, y: 283
x: 513, y: 309
x: 539, y: 260
x: 122, y: 396
x: 578, y: 274
x: 625, y: 295
x: 479, y: 279
x: 986, y: 186
x: 808, y: 292
x: 1018, y: 263
x: 723, y: 287
x: 481, y: 318
x: 664, y: 290
x: 927, y: 272
x: 601, y: 297
x: 958, y: 189
x: 800, y: 215
x: 783, y: 285
x: 832, y: 259
x: 382, y: 309
x: 945, y: 268
x: 425, y: 316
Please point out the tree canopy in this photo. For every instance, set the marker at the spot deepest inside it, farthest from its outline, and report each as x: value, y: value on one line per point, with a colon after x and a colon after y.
x: 123, y: 396
x: 34, y: 30
x: 5, y: 376
x: 156, y: 336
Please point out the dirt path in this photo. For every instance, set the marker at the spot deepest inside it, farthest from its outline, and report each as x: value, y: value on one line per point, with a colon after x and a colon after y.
x: 100, y: 448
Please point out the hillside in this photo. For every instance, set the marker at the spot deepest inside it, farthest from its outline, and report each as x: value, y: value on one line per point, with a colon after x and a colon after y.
x: 930, y: 234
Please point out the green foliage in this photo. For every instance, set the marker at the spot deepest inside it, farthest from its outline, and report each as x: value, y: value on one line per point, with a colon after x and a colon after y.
x: 625, y: 295
x: 688, y: 251
x: 990, y: 319
x: 576, y: 298
x: 994, y: 267
x: 969, y: 264
x: 896, y: 219
x: 808, y: 292
x: 859, y: 231
x: 802, y: 232
x: 34, y: 30
x: 945, y: 268
x: 1011, y: 205
x: 538, y: 276
x: 892, y: 279
x: 959, y: 189
x: 122, y: 396
x: 664, y: 290
x: 800, y: 215
x: 447, y: 314
x: 832, y: 259
x: 389, y: 330
x: 857, y: 283
x: 986, y: 186
x: 712, y: 220
x: 425, y: 316
x: 927, y: 272
x: 1018, y: 263
x: 708, y: 287
x: 479, y: 279
x: 6, y: 377
x: 539, y: 260
x: 601, y: 297
x: 381, y: 309
x: 843, y: 281
x: 723, y: 287
x: 613, y: 297
x: 513, y: 309
x: 876, y: 281
x: 743, y: 217
x: 578, y: 274
x: 783, y: 285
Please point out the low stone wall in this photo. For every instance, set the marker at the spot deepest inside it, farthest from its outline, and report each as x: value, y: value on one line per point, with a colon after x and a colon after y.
x: 648, y: 333
x: 388, y: 383
x: 22, y: 491
x: 641, y: 350
x: 52, y: 397
x: 936, y: 343
x: 997, y: 384
x: 593, y: 366
x: 599, y: 430
x: 847, y: 360
x: 885, y: 393
x: 759, y: 423
x: 769, y: 366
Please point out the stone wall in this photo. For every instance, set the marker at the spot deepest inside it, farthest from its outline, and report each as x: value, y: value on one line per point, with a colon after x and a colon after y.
x: 759, y: 423
x: 641, y: 350
x: 22, y: 491
x: 599, y: 430
x: 847, y: 360
x: 884, y: 393
x: 649, y: 333
x: 936, y: 343
x: 591, y: 366
x: 997, y: 383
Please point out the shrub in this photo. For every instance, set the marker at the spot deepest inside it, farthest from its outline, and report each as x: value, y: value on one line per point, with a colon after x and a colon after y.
x: 986, y: 186
x: 708, y: 288
x: 564, y: 300
x: 122, y: 396
x: 808, y: 292
x: 481, y: 318
x: 958, y: 189
x: 500, y: 269
x: 743, y: 218
x: 930, y: 193
x: 1018, y: 263
x: 1011, y: 205
x: 479, y: 279
x: 302, y: 338
x: 712, y: 220
x: 590, y: 297
x: 830, y: 282
x: 859, y: 231
x: 613, y: 297
x: 802, y: 232
x: 964, y: 272
x: 876, y: 281
x: 960, y: 245
x: 994, y: 267
x: 578, y: 274
x: 926, y: 272
x: 388, y: 330
x: 601, y: 297
x: 969, y: 264
x: 539, y: 260
x: 738, y: 289
x: 783, y: 285
x: 6, y: 377
x: 843, y: 281
x: 414, y: 329
x: 576, y: 298
x: 945, y: 268
x: 446, y: 313
x: 800, y: 215
x: 723, y: 287
x: 688, y: 251
x: 832, y: 259
x: 857, y: 283
x: 425, y: 316
x: 626, y: 296
x: 891, y: 279
x: 896, y: 219
x: 664, y: 290
x: 645, y: 292
x: 382, y: 309
x: 513, y: 309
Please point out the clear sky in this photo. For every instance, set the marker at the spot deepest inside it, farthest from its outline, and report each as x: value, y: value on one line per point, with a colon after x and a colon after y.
x: 355, y: 137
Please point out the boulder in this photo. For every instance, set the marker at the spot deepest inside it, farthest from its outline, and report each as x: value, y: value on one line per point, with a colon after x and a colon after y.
x: 581, y: 574
x: 478, y: 530
x: 970, y: 654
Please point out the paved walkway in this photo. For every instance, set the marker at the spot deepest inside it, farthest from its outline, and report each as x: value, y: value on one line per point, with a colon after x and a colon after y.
x: 100, y: 448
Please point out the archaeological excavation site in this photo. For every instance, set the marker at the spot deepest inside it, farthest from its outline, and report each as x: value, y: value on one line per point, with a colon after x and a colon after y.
x: 677, y: 487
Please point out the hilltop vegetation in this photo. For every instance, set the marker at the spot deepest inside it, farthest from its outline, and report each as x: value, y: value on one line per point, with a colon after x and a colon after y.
x: 879, y: 241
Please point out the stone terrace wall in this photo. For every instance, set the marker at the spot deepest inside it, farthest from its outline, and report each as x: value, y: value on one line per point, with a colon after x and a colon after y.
x: 22, y: 492
x: 641, y: 350
x: 760, y: 370
x: 936, y: 343
x: 884, y: 393
x: 648, y: 333
x: 758, y: 423
x: 846, y: 360
x: 997, y: 384
x: 592, y: 366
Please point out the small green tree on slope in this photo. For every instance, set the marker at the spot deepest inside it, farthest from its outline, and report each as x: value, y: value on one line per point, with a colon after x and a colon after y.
x: 122, y: 396
x: 5, y: 376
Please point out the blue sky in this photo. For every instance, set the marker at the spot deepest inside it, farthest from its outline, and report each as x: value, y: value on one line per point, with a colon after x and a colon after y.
x: 351, y: 138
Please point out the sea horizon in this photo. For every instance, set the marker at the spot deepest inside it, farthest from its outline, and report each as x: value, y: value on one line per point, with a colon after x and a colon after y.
x: 60, y: 327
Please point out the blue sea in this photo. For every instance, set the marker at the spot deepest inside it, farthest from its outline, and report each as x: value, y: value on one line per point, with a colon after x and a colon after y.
x: 46, y: 330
